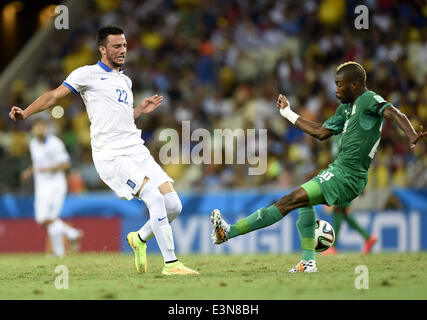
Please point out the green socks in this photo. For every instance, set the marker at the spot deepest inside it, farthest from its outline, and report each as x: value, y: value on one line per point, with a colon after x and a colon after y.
x: 351, y: 220
x: 306, y: 224
x: 265, y: 217
x: 261, y: 218
x: 339, y: 217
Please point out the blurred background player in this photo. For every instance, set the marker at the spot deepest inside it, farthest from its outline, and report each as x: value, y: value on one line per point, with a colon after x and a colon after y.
x: 121, y: 159
x: 342, y: 212
x: 50, y: 161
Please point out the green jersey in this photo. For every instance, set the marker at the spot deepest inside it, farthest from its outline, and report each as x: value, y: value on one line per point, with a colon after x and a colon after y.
x: 335, y: 145
x: 360, y: 125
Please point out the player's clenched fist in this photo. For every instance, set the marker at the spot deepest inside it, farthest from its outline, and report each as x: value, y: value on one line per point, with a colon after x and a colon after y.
x: 16, y: 114
x: 282, y: 102
x: 285, y: 109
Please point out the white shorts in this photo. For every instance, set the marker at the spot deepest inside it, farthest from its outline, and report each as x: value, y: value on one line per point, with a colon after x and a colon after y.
x: 124, y: 174
x: 48, y: 206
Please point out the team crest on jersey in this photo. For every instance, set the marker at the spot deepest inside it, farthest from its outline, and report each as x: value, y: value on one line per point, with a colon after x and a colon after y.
x: 131, y: 184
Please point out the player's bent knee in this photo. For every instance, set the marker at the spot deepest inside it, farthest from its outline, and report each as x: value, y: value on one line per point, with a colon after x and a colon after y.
x: 45, y: 223
x: 166, y: 188
x: 294, y: 200
x: 173, y: 205
x: 138, y: 193
x: 287, y: 201
x: 150, y: 194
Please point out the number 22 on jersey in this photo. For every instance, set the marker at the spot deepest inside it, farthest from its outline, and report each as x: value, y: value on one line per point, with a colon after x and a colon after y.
x: 122, y: 95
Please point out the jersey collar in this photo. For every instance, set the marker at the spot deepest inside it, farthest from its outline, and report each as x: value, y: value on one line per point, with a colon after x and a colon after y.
x: 107, y: 68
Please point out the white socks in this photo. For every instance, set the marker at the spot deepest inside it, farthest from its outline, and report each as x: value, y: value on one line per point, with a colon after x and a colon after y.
x: 56, y: 230
x: 70, y: 232
x: 159, y: 221
x: 173, y: 209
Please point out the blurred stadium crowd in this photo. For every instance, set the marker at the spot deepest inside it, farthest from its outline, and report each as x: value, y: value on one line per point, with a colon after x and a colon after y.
x: 221, y: 64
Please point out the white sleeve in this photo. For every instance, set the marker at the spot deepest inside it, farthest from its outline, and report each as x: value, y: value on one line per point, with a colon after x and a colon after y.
x: 77, y: 80
x: 32, y: 151
x: 61, y: 154
x: 129, y: 83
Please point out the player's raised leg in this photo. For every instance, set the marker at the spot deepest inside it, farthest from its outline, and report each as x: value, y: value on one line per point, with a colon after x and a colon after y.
x: 173, y: 207
x: 306, y: 196
x: 261, y: 218
x: 154, y: 201
x: 137, y: 240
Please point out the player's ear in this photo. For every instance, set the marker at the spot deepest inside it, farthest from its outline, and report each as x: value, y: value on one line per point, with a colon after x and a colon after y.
x: 354, y: 85
x: 102, y: 50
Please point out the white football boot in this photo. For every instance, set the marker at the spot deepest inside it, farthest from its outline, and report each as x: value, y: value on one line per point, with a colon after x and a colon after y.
x: 305, y: 266
x: 220, y: 228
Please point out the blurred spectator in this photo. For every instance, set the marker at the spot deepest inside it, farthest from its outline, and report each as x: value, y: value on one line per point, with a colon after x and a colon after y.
x: 221, y: 64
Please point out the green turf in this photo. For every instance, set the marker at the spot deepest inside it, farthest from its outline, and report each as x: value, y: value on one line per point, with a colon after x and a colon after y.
x: 113, y: 276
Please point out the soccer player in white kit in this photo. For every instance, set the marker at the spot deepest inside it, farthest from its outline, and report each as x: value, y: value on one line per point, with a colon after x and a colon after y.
x: 49, y: 162
x: 121, y: 159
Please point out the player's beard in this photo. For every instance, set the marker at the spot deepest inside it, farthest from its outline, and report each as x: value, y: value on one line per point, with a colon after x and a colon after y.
x: 345, y: 96
x: 115, y: 63
x: 341, y: 99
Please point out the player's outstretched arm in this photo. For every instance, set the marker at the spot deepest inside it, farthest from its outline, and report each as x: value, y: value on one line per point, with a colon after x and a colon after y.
x: 402, y: 121
x: 46, y: 100
x: 59, y: 167
x: 314, y: 129
x: 147, y: 105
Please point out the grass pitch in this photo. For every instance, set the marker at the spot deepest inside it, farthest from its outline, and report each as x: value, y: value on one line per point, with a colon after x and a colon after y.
x: 222, y: 277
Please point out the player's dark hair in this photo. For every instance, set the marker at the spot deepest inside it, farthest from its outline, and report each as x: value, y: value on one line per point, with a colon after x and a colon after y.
x: 39, y: 121
x: 353, y: 71
x: 105, y: 31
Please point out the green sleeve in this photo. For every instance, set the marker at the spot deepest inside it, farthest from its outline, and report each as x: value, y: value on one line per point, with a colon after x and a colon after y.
x: 336, y: 122
x: 374, y: 105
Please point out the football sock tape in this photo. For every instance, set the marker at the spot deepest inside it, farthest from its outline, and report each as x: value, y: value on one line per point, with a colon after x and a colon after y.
x: 261, y: 218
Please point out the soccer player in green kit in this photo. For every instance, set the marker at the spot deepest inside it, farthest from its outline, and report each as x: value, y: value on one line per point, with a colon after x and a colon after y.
x: 359, y: 118
x: 342, y: 212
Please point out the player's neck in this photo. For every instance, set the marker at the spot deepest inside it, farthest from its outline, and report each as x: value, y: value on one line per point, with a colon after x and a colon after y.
x: 41, y: 139
x: 110, y: 65
x: 359, y: 93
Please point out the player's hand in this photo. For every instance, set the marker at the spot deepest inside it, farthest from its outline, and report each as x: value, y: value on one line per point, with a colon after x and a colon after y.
x: 282, y: 102
x: 16, y: 114
x: 149, y: 104
x: 26, y: 174
x: 417, y: 137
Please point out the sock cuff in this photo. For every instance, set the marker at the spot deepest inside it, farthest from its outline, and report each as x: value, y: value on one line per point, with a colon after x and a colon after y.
x: 308, y: 244
x: 170, y: 194
x: 305, y: 210
x: 275, y: 212
x: 172, y: 261
x: 139, y: 236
